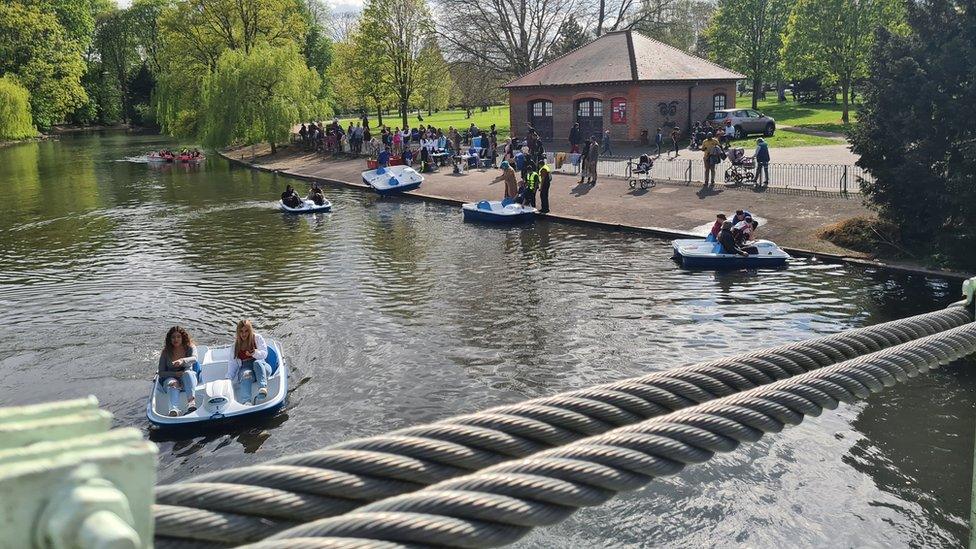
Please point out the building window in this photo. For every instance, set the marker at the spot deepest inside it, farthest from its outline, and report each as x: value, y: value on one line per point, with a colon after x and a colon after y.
x: 618, y: 110
x: 718, y: 101
x: 541, y: 108
x: 589, y: 108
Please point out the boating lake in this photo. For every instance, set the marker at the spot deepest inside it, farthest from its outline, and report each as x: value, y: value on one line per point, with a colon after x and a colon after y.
x: 392, y: 312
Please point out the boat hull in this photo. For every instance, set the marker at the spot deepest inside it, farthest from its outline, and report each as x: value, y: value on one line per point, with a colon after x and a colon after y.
x: 701, y: 254
x: 310, y: 207
x: 393, y: 179
x: 497, y: 212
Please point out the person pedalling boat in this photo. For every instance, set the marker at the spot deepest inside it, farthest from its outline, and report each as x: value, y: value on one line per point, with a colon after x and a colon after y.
x: 290, y: 198
x: 316, y: 195
x: 729, y: 244
x: 247, y: 364
x: 176, y: 376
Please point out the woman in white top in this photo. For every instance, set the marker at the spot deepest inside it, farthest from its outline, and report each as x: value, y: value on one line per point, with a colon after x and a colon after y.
x: 247, y: 364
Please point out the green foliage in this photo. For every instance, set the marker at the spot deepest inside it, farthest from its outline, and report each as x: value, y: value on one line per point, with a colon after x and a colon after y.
x: 914, y: 131
x: 15, y: 116
x: 572, y: 35
x: 35, y: 46
x: 833, y: 38
x: 258, y: 96
x: 434, y: 83
x: 194, y: 35
x: 397, y: 30
x: 745, y: 35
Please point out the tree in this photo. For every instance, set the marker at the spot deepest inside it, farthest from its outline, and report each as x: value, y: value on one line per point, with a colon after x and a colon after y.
x: 745, y: 35
x: 193, y: 36
x: 506, y: 38
x: 434, y: 81
x: 921, y: 87
x: 680, y: 23
x: 358, y: 80
x: 15, y: 116
x: 258, y: 96
x: 571, y: 35
x: 474, y: 86
x: 35, y: 46
x: 398, y: 31
x: 834, y: 38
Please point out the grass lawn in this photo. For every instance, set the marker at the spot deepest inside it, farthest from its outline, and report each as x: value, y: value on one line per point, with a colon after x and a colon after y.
x: 824, y: 116
x: 498, y: 115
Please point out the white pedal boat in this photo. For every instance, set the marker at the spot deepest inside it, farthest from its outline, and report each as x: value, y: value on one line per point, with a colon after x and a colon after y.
x: 307, y: 207
x: 393, y: 179
x: 216, y: 397
x: 497, y: 211
x: 702, y: 254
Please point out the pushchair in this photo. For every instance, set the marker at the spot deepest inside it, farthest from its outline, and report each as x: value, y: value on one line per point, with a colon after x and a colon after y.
x: 640, y: 173
x: 743, y: 168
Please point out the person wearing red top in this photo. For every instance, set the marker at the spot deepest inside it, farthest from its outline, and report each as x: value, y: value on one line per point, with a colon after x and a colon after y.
x: 716, y: 228
x: 247, y: 365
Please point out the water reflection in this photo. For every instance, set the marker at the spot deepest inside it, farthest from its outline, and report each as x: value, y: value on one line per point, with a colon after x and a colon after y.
x: 393, y: 312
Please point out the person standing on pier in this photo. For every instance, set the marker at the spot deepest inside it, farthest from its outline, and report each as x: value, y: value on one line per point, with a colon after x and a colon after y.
x: 592, y: 157
x: 508, y: 176
x: 574, y: 138
x: 545, y: 176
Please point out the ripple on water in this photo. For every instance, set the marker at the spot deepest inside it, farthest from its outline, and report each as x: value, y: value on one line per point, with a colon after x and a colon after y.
x: 392, y: 312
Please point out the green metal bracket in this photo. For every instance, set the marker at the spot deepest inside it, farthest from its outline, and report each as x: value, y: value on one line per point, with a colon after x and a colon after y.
x: 969, y: 290
x: 66, y: 481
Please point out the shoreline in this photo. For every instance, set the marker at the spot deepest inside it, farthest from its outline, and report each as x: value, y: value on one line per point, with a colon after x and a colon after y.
x: 650, y: 230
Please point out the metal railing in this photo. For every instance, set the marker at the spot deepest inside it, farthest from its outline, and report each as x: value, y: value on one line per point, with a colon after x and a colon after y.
x: 826, y: 178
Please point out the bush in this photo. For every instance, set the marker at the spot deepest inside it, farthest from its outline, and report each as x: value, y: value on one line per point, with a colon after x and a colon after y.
x: 15, y: 116
x: 864, y: 234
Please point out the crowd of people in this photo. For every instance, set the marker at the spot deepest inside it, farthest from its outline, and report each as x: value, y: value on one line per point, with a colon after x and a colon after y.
x: 178, y: 371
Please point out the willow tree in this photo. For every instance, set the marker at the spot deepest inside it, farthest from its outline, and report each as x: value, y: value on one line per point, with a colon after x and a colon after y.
x: 258, y: 96
x: 833, y: 38
x: 15, y: 116
x: 194, y: 34
x: 397, y: 30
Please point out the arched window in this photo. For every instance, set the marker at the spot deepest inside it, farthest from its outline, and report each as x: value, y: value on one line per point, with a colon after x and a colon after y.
x: 589, y: 114
x: 718, y: 101
x: 540, y: 117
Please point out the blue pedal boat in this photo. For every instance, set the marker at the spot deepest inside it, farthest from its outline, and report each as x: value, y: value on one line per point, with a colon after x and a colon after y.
x: 701, y: 254
x: 497, y: 211
x: 393, y: 179
x: 217, y: 399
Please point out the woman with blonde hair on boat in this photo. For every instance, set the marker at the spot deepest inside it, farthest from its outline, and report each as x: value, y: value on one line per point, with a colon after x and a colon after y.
x: 175, y: 369
x: 247, y: 364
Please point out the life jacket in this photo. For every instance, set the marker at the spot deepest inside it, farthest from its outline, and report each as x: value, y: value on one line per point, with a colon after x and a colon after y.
x: 544, y: 173
x: 532, y: 181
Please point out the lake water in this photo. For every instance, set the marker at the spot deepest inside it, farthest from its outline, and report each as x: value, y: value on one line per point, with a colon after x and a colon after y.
x: 392, y: 312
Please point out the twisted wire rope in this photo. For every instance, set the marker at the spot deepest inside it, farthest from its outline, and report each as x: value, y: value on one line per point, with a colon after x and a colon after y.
x: 502, y: 503
x: 257, y: 501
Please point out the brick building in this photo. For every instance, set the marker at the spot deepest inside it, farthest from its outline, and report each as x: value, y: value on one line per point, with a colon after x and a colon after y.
x: 622, y: 81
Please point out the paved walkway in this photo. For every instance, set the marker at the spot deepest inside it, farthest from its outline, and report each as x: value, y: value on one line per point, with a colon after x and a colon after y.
x: 792, y: 220
x: 821, y: 154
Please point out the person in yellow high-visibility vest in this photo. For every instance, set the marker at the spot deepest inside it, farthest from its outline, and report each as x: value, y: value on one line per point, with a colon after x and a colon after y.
x: 545, y: 177
x: 531, y: 186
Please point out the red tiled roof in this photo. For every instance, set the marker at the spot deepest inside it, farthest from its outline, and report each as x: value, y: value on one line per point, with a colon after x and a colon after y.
x: 623, y: 56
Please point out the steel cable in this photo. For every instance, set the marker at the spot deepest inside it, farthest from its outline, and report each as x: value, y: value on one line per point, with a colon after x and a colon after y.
x: 502, y: 503
x: 342, y: 477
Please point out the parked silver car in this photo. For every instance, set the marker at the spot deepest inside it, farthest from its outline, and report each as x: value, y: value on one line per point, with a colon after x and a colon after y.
x: 745, y: 121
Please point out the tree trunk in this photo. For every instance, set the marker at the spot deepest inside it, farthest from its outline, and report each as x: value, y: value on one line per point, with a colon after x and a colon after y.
x: 756, y: 85
x: 274, y: 149
x: 845, y: 90
x: 379, y: 114
x: 780, y: 90
x: 403, y: 111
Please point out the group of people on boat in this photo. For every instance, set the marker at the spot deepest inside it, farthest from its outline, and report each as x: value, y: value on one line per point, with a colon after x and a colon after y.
x: 734, y: 234
x: 291, y: 198
x: 178, y: 371
x: 184, y: 153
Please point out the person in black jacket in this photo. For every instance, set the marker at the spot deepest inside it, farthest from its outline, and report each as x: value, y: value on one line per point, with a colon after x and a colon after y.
x: 727, y: 240
x: 574, y: 139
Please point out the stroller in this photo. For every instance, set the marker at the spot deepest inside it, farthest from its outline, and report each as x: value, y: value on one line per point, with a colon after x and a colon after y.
x: 743, y: 168
x: 640, y: 174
